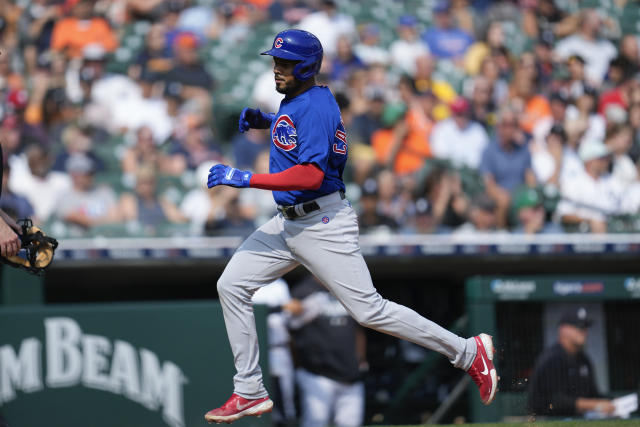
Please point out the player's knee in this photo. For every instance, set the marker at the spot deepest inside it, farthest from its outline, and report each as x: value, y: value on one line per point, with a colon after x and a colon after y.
x: 367, y: 319
x: 225, y: 286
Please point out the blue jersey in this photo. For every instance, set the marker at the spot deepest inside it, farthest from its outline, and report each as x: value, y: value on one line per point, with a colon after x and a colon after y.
x: 308, y: 129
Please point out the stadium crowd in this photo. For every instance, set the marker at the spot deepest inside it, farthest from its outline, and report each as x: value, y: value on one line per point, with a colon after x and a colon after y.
x: 462, y: 116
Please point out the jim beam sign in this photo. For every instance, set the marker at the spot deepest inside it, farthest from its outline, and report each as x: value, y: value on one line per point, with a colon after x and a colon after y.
x: 69, y: 357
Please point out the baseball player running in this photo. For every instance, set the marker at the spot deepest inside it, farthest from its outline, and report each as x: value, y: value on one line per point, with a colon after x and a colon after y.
x: 316, y: 227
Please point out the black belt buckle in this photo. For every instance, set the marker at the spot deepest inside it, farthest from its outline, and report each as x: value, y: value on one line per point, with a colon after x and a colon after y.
x: 289, y: 211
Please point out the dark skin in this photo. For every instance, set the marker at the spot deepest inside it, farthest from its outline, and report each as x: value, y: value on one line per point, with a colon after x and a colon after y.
x: 286, y: 83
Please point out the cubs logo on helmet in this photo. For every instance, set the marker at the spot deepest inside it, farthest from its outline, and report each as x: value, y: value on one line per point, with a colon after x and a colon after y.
x: 284, y: 134
x: 278, y: 42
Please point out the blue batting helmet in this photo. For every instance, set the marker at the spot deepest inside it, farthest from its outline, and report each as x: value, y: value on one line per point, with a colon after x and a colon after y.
x: 298, y: 45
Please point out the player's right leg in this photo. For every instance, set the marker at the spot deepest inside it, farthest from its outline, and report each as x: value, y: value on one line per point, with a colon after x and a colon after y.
x: 260, y: 260
x: 330, y: 250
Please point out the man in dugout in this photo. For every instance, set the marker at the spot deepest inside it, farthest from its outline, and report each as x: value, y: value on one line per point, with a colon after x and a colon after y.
x: 563, y: 378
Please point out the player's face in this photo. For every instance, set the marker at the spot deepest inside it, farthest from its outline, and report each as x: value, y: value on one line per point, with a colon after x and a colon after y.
x: 283, y: 72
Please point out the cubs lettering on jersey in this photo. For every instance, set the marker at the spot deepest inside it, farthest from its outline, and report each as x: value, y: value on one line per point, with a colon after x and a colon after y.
x: 342, y: 136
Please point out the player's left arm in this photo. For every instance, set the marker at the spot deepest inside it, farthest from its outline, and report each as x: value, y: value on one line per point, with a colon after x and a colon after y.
x: 306, y: 176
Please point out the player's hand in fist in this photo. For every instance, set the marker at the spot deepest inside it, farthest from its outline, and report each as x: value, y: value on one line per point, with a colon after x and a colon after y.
x: 227, y: 175
x: 254, y: 118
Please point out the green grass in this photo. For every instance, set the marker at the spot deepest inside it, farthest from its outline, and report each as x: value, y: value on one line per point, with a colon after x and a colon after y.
x: 573, y: 423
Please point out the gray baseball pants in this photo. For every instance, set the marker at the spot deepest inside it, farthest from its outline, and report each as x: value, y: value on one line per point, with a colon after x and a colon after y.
x: 326, y: 243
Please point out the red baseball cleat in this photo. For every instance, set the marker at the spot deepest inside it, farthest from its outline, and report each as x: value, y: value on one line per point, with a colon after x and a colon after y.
x: 482, y: 370
x: 238, y: 407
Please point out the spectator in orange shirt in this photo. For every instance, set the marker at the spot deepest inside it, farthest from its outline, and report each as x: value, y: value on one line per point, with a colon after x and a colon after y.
x: 532, y: 107
x: 71, y: 35
x: 405, y: 147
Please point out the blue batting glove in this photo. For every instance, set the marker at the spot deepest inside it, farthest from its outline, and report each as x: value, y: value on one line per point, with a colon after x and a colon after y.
x: 254, y: 118
x: 226, y: 175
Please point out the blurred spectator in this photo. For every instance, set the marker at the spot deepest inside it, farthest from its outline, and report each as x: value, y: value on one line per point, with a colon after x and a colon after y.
x: 199, y: 20
x: 544, y: 63
x: 76, y: 141
x: 585, y: 109
x: 190, y: 72
x: 257, y: 204
x: 86, y: 204
x: 366, y: 124
x: 619, y: 141
x: 563, y: 379
x: 81, y: 29
x: 328, y: 24
x: 38, y: 20
x: 529, y: 213
x: 634, y: 121
x: 483, y: 106
x: 408, y: 46
x: 458, y: 139
x: 361, y: 165
x: 577, y: 80
x: 247, y: 147
x: 532, y: 107
x: 558, y: 102
x: 488, y: 76
x: 630, y: 49
x: 445, y: 203
x: 148, y: 10
x: 506, y: 163
x: 11, y: 136
x: 31, y: 177
x: 290, y: 11
x: 552, y: 161
x: 345, y: 60
x: 546, y: 20
x: 145, y: 152
x: 596, y: 51
x: 424, y: 81
x: 394, y: 197
x: 446, y: 41
x: 590, y: 196
x: 331, y: 352
x: 145, y: 209
x: 617, y: 99
x: 619, y: 70
x: 493, y: 39
x: 197, y: 145
x: 370, y: 219
x: 155, y: 57
x: 482, y: 217
x: 369, y: 50
x: 14, y: 205
x: 405, y: 146
x: 214, y: 211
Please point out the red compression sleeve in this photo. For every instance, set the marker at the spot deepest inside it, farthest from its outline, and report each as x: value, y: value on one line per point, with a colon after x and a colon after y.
x: 299, y: 177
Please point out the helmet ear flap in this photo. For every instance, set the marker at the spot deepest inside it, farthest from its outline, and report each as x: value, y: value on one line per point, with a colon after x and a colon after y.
x: 306, y: 69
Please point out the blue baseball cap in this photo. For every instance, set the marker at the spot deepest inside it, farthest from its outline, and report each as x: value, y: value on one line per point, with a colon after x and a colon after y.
x: 407, y: 21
